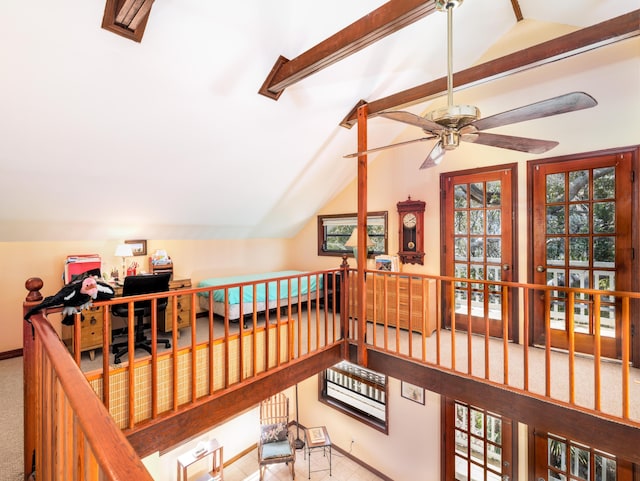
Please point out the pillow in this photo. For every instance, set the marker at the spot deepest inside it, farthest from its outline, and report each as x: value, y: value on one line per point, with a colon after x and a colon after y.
x: 271, y: 433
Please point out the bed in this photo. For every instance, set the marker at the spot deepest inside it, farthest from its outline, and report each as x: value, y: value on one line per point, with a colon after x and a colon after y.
x: 302, y: 288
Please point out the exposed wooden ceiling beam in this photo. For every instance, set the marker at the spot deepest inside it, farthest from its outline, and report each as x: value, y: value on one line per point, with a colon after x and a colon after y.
x: 390, y: 17
x: 127, y: 18
x: 589, y: 38
x: 516, y: 10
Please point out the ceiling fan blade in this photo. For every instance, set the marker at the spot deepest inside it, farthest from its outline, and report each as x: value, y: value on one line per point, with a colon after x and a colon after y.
x: 434, y: 157
x: 412, y: 119
x: 521, y: 144
x: 377, y: 149
x: 557, y: 105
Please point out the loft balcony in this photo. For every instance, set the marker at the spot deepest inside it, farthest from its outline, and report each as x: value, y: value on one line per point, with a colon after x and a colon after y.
x: 393, y: 323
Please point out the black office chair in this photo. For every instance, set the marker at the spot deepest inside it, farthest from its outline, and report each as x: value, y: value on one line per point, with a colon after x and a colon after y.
x: 138, y: 285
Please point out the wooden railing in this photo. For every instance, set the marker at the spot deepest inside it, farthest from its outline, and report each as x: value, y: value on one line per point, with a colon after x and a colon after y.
x: 215, y: 359
x: 232, y: 354
x: 587, y: 382
x: 68, y: 432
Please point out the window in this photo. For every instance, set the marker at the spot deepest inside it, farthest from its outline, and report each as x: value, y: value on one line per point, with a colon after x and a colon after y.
x: 334, y: 231
x: 359, y: 392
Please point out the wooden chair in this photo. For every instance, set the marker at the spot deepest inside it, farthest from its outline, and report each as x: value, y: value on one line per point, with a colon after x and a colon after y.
x: 276, y: 442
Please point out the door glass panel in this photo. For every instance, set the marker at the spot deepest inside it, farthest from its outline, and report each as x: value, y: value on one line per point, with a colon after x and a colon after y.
x: 460, y: 200
x: 494, y: 222
x: 579, y: 251
x: 494, y: 250
x: 460, y: 222
x: 604, y: 185
x: 461, y: 469
x: 555, y: 250
x: 477, y: 250
x: 580, y: 459
x: 604, y: 251
x: 494, y: 456
x: 477, y: 450
x: 605, y: 468
x: 555, y: 188
x: 578, y: 219
x: 494, y: 193
x: 557, y: 454
x: 477, y: 195
x: 476, y: 222
x: 604, y: 217
x: 461, y: 250
x: 578, y: 185
x: 477, y: 473
x: 555, y: 219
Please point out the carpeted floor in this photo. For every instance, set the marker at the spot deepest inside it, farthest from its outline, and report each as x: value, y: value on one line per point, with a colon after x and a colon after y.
x: 11, y: 420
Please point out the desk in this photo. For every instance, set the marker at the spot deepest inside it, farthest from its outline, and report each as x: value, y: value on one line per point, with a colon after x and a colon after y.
x: 315, y: 439
x: 91, y: 324
x: 210, y: 448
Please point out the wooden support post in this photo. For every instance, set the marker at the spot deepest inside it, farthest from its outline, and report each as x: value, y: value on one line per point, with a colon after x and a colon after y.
x: 362, y: 233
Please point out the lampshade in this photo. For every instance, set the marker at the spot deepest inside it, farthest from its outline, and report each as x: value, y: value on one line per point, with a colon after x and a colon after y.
x: 124, y: 250
x: 353, y: 240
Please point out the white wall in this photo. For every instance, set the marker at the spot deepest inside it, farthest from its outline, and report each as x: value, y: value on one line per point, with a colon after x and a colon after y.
x: 411, y: 450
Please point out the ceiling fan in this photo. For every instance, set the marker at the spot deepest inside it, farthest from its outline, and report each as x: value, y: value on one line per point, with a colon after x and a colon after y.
x: 455, y: 123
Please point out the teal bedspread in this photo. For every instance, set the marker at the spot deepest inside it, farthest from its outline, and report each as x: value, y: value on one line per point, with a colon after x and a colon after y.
x: 305, y: 285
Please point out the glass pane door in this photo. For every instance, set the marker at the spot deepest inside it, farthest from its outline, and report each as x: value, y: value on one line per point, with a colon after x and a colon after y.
x: 479, y: 227
x: 580, y: 240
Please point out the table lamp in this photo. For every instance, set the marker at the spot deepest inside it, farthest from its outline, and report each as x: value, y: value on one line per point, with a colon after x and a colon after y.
x: 353, y: 243
x: 124, y: 251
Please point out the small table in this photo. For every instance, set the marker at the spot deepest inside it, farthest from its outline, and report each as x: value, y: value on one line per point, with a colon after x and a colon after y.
x: 317, y: 438
x: 210, y: 448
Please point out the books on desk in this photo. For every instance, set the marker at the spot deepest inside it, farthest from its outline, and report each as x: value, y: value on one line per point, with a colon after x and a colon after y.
x: 316, y: 435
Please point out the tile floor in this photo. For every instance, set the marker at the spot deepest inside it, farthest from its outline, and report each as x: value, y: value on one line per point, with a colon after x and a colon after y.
x: 342, y: 469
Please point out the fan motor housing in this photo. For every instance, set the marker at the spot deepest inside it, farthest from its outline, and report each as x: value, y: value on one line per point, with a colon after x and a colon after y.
x: 454, y: 116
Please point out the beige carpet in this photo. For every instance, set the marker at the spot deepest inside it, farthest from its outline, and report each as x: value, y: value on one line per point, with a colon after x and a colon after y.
x: 11, y: 417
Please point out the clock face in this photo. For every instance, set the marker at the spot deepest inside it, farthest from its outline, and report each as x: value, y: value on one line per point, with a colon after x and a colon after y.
x: 409, y: 220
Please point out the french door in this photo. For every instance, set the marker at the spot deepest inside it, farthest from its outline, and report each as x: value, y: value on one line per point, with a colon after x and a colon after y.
x: 581, y: 234
x: 561, y: 459
x: 478, y: 242
x: 478, y: 443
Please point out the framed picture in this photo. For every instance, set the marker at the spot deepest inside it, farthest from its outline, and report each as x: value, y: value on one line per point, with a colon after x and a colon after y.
x: 139, y: 247
x: 415, y: 393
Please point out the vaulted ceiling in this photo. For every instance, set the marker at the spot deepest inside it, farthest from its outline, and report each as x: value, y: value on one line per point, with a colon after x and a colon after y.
x: 209, y: 120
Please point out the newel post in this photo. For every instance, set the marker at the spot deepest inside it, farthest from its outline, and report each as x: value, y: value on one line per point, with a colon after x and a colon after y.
x: 33, y: 285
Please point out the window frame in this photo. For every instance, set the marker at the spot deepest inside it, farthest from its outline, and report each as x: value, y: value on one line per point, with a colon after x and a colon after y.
x: 351, y: 219
x: 350, y: 372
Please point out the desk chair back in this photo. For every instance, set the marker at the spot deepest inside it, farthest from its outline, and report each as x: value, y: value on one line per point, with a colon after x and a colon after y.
x: 134, y: 286
x: 146, y: 284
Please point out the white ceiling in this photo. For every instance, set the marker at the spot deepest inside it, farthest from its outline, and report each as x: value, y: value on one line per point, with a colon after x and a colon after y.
x: 106, y: 138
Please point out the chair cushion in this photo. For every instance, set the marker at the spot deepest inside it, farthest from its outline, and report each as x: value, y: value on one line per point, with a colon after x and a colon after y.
x: 273, y: 433
x: 277, y: 449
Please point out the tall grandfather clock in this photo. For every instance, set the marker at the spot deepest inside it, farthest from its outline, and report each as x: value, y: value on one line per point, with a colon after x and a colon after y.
x: 411, y: 231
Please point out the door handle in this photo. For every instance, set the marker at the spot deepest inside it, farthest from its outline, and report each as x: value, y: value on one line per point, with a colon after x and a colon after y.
x: 541, y: 268
x: 506, y: 267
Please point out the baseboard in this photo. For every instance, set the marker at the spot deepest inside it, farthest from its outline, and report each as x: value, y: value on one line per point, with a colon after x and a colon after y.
x: 10, y: 354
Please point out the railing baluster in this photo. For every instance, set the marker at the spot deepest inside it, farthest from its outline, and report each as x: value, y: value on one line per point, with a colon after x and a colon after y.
x: 505, y: 333
x: 596, y: 354
x: 626, y: 342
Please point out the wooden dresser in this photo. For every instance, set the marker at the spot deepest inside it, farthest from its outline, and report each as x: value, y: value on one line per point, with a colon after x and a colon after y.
x: 91, y: 325
x: 396, y: 306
